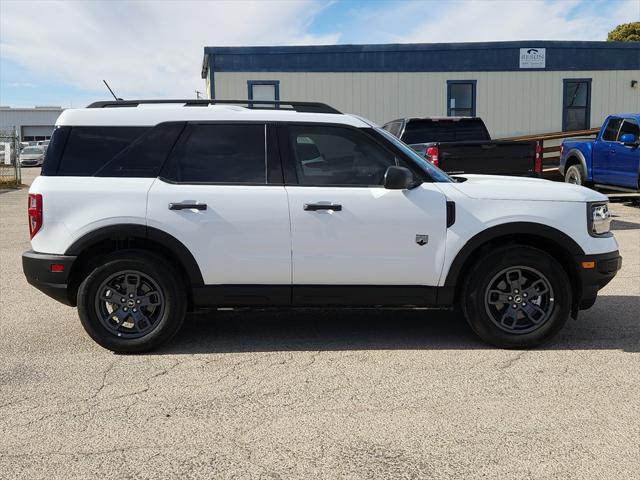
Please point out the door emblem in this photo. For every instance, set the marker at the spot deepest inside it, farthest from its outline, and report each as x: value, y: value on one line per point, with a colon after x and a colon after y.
x: 422, y: 239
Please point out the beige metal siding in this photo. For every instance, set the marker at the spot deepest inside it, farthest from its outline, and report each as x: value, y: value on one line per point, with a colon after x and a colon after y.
x: 511, y: 103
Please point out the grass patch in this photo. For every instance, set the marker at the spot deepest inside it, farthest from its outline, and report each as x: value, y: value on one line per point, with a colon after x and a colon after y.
x: 10, y: 184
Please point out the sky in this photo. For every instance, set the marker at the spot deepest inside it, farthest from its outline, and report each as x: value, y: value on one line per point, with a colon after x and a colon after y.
x: 57, y: 52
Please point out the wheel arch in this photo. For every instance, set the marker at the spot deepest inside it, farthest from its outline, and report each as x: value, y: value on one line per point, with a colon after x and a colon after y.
x: 551, y: 240
x: 104, y: 240
x: 576, y: 157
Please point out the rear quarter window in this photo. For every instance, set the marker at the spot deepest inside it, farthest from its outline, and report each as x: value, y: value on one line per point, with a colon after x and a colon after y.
x: 610, y: 132
x: 110, y: 151
x: 88, y: 149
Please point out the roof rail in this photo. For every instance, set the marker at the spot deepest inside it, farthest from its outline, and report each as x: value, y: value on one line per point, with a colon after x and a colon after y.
x: 309, y: 107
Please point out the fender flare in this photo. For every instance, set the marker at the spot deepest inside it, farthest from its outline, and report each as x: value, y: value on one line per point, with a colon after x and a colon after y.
x: 574, y: 152
x: 554, y: 235
x: 124, y: 231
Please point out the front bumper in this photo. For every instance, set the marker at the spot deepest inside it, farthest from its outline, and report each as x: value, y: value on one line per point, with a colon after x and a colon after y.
x: 594, y: 276
x: 37, y: 267
x: 30, y: 163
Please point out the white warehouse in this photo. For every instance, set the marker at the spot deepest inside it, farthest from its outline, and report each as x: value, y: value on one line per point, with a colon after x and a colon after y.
x: 518, y: 88
x: 29, y: 124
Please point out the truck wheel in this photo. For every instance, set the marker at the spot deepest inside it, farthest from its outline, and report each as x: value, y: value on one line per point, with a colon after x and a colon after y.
x: 516, y: 297
x: 574, y: 175
x: 133, y: 302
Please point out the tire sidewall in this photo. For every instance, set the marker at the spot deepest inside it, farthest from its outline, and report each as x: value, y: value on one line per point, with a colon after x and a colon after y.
x: 578, y: 174
x: 478, y: 283
x: 168, y: 281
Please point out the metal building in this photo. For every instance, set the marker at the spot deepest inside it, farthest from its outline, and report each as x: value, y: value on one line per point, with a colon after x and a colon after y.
x: 31, y: 124
x: 518, y: 88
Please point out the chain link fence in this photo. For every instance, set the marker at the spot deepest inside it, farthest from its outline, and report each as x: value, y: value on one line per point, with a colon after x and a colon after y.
x: 9, y: 159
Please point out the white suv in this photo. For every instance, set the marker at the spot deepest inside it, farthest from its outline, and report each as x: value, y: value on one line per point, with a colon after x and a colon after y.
x: 148, y: 209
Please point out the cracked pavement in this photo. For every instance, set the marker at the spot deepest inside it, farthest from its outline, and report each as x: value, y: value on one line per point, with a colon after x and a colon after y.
x: 317, y: 394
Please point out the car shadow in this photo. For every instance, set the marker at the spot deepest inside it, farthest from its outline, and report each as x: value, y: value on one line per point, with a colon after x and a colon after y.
x: 610, y: 324
x: 624, y: 225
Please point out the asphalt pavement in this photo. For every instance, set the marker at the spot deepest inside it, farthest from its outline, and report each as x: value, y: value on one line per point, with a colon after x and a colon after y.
x: 317, y: 394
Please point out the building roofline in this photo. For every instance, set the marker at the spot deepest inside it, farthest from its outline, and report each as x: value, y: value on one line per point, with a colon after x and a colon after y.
x: 421, y: 57
x: 412, y: 47
x: 30, y: 109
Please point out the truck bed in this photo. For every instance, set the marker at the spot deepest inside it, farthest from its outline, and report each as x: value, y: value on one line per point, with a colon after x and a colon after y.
x: 486, y: 157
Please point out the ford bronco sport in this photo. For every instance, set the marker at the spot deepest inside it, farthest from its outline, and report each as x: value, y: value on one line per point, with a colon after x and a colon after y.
x: 148, y: 209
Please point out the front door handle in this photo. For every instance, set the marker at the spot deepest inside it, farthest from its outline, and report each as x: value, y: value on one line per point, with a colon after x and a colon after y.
x: 187, y: 206
x: 313, y: 207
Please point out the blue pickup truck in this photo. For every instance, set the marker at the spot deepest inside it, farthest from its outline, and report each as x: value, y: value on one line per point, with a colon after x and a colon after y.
x: 610, y: 161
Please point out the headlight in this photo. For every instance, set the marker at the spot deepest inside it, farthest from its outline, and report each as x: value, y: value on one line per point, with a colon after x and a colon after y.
x: 599, y: 219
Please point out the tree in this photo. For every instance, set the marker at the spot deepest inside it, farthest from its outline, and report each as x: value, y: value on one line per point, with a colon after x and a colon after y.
x: 627, y: 32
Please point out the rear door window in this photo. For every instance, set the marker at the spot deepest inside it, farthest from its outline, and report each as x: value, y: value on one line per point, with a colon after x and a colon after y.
x: 629, y: 126
x: 220, y: 153
x: 610, y: 133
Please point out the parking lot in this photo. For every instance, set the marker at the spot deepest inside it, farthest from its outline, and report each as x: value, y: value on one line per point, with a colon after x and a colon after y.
x: 317, y: 394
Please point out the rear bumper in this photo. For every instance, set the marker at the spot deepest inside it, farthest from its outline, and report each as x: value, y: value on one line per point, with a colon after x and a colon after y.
x: 605, y: 267
x: 37, y: 268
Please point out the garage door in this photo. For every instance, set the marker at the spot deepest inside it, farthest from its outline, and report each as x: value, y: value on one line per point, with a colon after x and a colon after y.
x: 37, y: 131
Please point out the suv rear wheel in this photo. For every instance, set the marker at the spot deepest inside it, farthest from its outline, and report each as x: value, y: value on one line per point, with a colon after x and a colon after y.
x: 133, y: 302
x: 516, y: 297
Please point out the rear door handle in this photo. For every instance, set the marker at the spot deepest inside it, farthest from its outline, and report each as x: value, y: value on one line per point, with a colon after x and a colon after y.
x: 313, y: 207
x: 187, y: 206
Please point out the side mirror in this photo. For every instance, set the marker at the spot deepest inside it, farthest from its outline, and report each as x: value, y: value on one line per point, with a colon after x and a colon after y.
x: 398, y: 178
x: 629, y: 139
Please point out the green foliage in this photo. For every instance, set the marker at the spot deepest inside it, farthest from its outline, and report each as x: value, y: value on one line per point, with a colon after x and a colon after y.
x: 627, y: 32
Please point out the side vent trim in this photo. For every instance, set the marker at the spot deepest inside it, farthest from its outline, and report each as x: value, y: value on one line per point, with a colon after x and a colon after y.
x: 451, y: 213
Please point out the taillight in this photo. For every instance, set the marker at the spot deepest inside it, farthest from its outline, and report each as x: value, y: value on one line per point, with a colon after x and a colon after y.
x: 537, y: 163
x: 34, y: 211
x: 432, y: 155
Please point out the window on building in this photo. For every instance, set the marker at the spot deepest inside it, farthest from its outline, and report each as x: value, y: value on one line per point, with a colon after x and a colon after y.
x: 337, y: 156
x: 218, y: 153
x: 611, y: 130
x: 263, y: 90
x: 461, y: 98
x: 576, y: 104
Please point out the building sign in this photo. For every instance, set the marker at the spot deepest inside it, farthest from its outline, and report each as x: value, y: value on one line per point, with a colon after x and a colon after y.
x: 532, y: 58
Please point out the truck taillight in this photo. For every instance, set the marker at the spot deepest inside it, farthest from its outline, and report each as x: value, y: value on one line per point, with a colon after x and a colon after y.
x: 537, y: 163
x: 34, y: 211
x: 432, y: 155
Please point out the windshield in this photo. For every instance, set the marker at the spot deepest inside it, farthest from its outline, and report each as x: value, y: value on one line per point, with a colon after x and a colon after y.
x: 429, y: 131
x: 434, y: 172
x: 32, y: 150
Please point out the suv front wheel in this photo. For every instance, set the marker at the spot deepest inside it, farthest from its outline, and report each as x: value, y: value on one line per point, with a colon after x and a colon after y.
x: 133, y: 302
x: 516, y: 297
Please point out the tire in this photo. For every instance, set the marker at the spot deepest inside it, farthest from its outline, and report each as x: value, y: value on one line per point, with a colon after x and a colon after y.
x: 492, y: 281
x: 143, y: 302
x: 574, y: 175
